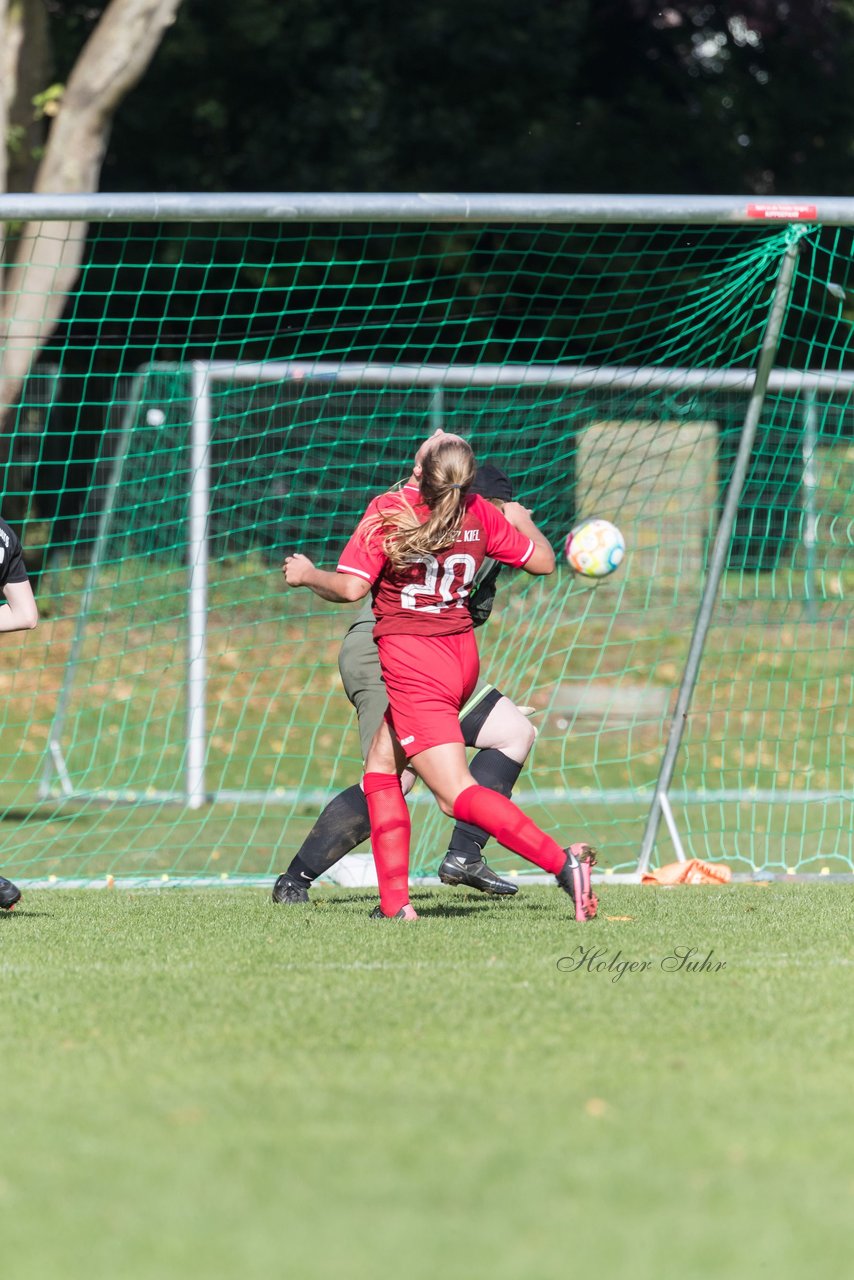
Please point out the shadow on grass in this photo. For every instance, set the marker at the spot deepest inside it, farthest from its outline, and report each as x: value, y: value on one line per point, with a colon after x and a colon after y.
x: 434, y: 905
x: 41, y: 813
x: 344, y: 898
x: 441, y: 910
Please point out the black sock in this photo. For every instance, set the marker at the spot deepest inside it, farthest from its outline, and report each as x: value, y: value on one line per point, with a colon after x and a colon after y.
x: 342, y: 825
x: 493, y: 769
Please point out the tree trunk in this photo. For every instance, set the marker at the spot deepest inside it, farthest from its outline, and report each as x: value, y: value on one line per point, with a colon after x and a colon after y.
x: 10, y: 35
x: 48, y: 255
x: 28, y: 71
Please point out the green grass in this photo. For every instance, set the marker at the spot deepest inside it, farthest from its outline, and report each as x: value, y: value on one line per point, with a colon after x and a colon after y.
x: 200, y: 1084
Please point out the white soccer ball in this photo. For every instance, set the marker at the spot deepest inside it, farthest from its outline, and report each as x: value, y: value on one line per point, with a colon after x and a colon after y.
x: 594, y: 548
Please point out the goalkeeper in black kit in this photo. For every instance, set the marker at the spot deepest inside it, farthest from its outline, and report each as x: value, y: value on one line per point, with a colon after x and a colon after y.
x: 19, y: 613
x: 501, y: 734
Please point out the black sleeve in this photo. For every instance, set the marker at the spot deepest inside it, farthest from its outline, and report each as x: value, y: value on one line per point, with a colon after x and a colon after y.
x: 11, y: 556
x: 482, y: 597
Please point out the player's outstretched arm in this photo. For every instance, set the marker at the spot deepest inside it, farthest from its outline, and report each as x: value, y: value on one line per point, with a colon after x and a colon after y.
x: 22, y: 613
x: 340, y: 588
x: 542, y: 559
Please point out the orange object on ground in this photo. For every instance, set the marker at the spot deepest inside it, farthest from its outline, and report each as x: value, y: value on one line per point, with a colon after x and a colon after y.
x: 691, y: 872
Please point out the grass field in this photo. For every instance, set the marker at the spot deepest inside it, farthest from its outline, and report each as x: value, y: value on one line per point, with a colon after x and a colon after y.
x: 200, y: 1084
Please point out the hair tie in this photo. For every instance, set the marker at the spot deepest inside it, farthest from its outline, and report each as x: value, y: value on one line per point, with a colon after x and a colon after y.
x: 456, y: 486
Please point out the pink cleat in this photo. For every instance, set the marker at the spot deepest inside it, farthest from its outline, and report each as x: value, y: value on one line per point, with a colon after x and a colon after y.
x: 574, y: 879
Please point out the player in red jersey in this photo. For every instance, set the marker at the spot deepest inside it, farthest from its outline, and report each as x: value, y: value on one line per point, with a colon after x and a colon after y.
x: 498, y: 730
x: 19, y: 613
x: 417, y: 551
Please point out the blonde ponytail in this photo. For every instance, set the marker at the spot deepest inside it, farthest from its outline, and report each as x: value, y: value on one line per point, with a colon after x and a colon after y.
x: 447, y: 472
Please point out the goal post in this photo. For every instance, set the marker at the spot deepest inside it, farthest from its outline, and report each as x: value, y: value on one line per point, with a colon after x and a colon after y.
x: 676, y: 370
x: 660, y: 805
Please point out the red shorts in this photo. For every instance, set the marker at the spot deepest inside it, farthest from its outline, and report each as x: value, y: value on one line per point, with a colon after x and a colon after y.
x: 427, y: 678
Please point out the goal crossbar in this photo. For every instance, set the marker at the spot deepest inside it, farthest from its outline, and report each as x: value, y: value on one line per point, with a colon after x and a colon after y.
x: 434, y: 207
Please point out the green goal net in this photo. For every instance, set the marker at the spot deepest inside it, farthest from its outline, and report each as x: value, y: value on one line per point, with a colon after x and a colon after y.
x: 215, y: 396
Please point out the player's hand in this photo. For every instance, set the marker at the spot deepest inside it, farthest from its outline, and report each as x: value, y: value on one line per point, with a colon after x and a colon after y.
x: 296, y: 569
x: 517, y: 515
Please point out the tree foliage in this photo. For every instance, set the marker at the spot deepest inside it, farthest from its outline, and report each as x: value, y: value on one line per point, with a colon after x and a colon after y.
x: 497, y: 95
x: 753, y: 96
x: 44, y: 262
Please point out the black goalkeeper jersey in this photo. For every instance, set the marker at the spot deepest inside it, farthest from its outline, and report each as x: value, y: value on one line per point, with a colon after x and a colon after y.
x: 11, y: 556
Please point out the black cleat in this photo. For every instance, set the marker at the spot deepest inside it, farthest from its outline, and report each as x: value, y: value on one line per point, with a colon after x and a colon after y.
x: 574, y: 879
x: 9, y: 894
x: 288, y: 892
x: 475, y: 875
x: 405, y: 913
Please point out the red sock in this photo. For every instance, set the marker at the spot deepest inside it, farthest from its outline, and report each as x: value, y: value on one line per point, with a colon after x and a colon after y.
x: 510, y: 826
x: 390, y: 832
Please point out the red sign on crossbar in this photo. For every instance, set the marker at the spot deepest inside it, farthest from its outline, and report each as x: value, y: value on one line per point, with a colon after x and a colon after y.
x: 784, y: 212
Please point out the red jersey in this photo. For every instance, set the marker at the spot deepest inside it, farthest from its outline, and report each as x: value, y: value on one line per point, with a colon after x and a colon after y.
x: 428, y: 596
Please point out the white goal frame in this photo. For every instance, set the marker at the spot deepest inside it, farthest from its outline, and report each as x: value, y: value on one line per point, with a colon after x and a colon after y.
x: 206, y: 375
x: 797, y: 213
